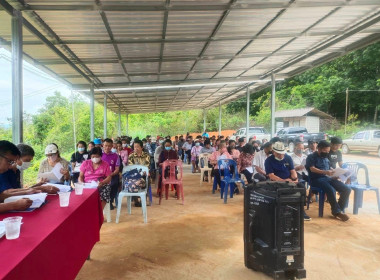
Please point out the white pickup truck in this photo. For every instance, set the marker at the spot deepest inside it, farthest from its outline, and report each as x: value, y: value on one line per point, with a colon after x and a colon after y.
x: 364, y: 141
x: 258, y: 133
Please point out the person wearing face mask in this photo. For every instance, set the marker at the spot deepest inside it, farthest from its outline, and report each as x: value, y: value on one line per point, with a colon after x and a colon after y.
x: 52, y: 158
x: 221, y: 153
x: 280, y: 168
x: 232, y: 150
x: 77, y: 158
x: 259, y: 173
x: 186, y: 148
x: 112, y: 158
x: 98, y: 170
x: 299, y: 161
x: 320, y: 173
x: 10, y: 181
x: 195, y: 152
x: 167, y: 153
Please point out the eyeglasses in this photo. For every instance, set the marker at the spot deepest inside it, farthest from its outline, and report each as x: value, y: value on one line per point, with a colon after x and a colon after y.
x: 10, y: 162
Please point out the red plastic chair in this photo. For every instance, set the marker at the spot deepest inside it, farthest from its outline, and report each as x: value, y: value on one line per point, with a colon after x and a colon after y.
x: 174, y: 178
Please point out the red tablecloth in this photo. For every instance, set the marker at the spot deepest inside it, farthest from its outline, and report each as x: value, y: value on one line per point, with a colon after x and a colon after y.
x: 54, y: 241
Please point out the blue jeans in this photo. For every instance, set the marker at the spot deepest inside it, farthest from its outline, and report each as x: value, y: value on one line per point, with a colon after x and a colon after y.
x: 330, y: 187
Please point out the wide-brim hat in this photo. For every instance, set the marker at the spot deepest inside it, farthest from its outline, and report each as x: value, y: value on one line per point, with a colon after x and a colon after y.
x: 279, y: 148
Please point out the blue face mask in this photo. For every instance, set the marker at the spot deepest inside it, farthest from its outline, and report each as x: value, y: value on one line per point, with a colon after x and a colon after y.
x: 80, y: 149
x: 113, y: 150
x: 168, y: 148
x: 197, y: 144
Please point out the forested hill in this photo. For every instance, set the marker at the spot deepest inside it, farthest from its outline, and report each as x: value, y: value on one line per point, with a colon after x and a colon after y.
x: 324, y: 87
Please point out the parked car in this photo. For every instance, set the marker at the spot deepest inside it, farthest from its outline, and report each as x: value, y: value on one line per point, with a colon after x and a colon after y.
x: 258, y: 133
x: 290, y: 135
x: 364, y: 141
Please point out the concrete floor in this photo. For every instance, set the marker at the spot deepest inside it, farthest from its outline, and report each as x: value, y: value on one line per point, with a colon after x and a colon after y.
x: 203, y: 239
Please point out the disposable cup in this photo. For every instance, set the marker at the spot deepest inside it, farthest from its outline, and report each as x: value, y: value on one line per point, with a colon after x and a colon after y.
x: 78, y: 188
x: 64, y: 198
x: 12, y: 227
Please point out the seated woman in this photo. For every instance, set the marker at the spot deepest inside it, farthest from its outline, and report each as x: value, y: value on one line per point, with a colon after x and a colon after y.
x: 195, y: 152
x: 47, y: 165
x: 245, y: 162
x: 98, y: 170
x: 77, y: 158
x: 167, y: 153
x: 221, y: 153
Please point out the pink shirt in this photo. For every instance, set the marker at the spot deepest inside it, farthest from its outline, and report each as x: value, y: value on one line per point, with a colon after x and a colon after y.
x: 216, y: 156
x: 235, y: 154
x: 91, y: 174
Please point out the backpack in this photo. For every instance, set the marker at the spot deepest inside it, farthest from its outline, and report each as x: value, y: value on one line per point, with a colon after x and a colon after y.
x: 134, y: 181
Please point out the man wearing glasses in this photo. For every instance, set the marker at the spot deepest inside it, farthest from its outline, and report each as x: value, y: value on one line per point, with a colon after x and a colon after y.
x: 8, y: 156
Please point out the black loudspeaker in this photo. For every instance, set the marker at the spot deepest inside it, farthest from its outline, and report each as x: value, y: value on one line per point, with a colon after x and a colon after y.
x: 274, y: 230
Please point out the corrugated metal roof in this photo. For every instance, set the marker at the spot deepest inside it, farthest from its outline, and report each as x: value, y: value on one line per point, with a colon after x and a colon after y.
x: 309, y: 111
x: 129, y: 44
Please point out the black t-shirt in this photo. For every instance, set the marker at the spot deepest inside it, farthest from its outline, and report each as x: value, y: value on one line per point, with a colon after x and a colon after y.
x: 334, y: 158
x: 77, y: 157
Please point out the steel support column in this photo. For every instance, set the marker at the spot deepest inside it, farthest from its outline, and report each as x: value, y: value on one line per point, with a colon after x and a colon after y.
x: 17, y: 78
x: 273, y: 106
x: 92, y: 113
x: 220, y: 118
x: 119, y: 123
x: 247, y: 119
x: 127, y: 124
x: 105, y: 117
x: 204, y: 119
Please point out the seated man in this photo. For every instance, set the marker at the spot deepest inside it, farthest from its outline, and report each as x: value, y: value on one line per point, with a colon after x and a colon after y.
x: 279, y: 167
x: 299, y: 161
x: 311, y: 147
x: 319, y: 170
x: 8, y: 156
x: 335, y: 156
x: 259, y: 160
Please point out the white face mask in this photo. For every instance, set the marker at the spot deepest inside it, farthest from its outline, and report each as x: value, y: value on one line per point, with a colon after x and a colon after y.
x: 279, y: 159
x: 124, y: 145
x: 23, y: 166
x: 113, y: 150
x: 95, y: 159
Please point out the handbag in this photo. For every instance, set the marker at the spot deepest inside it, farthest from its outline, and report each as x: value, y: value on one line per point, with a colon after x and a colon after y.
x: 134, y: 181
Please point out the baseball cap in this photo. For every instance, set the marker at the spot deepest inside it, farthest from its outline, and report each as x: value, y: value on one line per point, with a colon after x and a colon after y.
x: 51, y: 149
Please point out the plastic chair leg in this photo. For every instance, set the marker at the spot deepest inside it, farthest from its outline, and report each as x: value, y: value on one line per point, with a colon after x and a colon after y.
x: 225, y: 192
x: 209, y: 176
x: 150, y: 196
x: 357, y: 194
x: 167, y: 192
x: 378, y: 200
x: 120, y: 198
x: 129, y: 204
x: 182, y: 194
x: 202, y: 175
x: 232, y: 189
x: 361, y: 199
x: 143, y: 207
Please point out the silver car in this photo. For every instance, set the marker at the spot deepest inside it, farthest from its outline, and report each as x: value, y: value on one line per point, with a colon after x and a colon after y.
x: 364, y: 141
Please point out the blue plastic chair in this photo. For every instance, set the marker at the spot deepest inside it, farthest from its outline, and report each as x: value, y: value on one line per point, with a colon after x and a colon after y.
x: 229, y: 178
x: 321, y: 194
x: 359, y: 189
x: 141, y: 194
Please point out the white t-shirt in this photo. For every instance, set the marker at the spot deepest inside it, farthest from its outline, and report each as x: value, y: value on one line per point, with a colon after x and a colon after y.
x: 299, y: 160
x: 259, y: 160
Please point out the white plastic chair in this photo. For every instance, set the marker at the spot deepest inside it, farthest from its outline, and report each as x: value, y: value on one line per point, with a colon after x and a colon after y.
x: 204, y: 158
x: 141, y: 194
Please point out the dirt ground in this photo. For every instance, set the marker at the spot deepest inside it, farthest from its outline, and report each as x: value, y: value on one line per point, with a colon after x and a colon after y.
x: 203, y: 239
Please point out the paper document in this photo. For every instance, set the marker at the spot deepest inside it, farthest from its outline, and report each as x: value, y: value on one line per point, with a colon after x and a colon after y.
x: 57, y: 170
x: 92, y: 185
x: 48, y: 175
x: 38, y: 199
x: 342, y: 174
x: 249, y: 169
x: 62, y: 188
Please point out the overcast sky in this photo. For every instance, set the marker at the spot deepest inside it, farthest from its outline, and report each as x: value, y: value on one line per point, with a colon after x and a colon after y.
x: 37, y: 86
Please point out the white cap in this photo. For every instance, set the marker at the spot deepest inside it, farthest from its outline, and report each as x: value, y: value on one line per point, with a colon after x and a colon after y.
x: 51, y: 149
x: 279, y: 147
